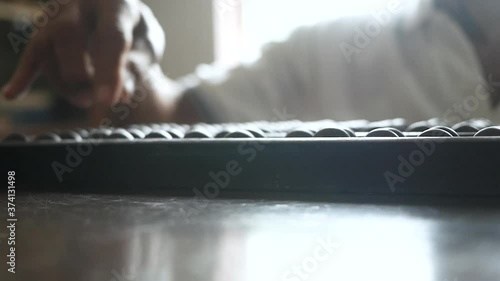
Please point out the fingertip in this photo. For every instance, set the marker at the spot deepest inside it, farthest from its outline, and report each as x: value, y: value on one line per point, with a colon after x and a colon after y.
x: 11, y: 92
x: 7, y: 92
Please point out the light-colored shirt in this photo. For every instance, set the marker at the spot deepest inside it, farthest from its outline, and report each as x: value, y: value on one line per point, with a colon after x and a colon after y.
x: 403, y: 62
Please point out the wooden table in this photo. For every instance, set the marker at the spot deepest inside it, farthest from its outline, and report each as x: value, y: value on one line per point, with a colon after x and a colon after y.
x: 115, y: 238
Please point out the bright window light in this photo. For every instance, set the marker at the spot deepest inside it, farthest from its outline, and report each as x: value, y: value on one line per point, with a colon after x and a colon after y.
x: 264, y: 21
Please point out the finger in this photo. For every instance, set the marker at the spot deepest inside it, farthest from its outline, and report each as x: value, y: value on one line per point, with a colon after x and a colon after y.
x: 78, y: 94
x: 113, y: 39
x: 50, y: 71
x: 28, y: 67
x: 70, y: 45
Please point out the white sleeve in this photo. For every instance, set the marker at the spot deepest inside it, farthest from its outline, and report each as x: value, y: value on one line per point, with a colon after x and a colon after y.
x: 410, y: 71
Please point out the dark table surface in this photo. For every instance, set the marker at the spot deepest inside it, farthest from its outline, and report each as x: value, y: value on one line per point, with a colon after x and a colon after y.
x: 116, y: 238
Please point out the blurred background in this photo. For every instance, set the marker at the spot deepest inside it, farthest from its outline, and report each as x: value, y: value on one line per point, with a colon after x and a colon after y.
x: 199, y: 32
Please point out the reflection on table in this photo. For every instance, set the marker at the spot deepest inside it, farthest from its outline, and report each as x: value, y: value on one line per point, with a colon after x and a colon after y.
x: 114, y: 238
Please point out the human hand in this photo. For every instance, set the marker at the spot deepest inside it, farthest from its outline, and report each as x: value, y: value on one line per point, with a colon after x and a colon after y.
x: 91, y: 51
